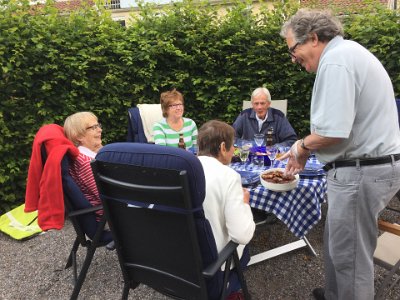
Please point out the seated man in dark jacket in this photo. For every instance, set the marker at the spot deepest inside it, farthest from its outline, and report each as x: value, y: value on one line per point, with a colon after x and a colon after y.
x: 261, y: 117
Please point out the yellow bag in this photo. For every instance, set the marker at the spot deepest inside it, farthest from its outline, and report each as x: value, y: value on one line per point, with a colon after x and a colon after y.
x: 19, y: 224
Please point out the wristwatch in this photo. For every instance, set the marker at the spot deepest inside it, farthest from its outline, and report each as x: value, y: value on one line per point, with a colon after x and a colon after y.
x: 304, y: 146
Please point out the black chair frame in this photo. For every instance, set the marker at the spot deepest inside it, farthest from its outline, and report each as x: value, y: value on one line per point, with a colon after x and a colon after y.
x: 140, y: 193
x: 81, y: 240
x: 74, y: 214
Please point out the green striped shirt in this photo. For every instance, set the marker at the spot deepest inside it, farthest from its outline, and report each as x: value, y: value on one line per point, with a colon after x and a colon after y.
x: 165, y: 135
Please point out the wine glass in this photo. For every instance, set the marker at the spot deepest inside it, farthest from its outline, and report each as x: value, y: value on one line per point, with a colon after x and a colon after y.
x: 259, y: 139
x: 271, y: 152
x: 244, y: 152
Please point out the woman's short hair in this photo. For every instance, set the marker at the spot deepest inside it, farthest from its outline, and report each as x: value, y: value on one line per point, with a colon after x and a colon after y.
x: 212, y: 134
x: 75, y: 125
x: 308, y: 21
x: 167, y: 98
x: 261, y: 90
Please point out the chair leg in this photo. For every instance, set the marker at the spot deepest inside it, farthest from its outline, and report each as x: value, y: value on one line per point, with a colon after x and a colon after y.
x: 226, y: 278
x: 125, y: 291
x: 75, y: 268
x: 82, y: 274
x: 90, y: 251
x: 72, y: 253
x: 72, y: 259
x: 241, y: 277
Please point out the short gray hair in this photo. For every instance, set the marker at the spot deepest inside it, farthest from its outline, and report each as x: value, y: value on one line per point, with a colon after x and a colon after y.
x: 261, y: 90
x: 308, y: 21
x: 75, y: 125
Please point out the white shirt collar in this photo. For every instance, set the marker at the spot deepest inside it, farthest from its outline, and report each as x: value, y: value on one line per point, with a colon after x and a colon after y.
x: 87, y: 151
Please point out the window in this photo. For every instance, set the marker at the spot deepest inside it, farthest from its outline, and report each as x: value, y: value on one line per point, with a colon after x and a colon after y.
x: 112, y: 4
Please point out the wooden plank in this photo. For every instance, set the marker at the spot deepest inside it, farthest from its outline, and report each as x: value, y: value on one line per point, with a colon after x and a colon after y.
x: 389, y: 227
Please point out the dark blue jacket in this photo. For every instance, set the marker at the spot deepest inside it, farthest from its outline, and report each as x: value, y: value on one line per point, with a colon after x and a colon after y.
x: 246, y: 126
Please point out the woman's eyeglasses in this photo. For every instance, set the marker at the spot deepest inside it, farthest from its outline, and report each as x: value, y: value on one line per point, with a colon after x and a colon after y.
x: 94, y: 127
x: 175, y: 105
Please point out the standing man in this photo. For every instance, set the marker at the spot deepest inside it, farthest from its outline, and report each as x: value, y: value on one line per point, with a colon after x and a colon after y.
x: 261, y: 117
x: 355, y: 132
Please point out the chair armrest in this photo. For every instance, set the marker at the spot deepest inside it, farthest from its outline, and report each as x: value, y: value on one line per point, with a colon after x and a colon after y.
x: 389, y: 227
x: 84, y: 211
x: 225, y: 253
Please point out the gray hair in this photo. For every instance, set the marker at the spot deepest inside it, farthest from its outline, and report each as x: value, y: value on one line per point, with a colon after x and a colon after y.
x: 261, y: 90
x: 308, y: 21
x: 75, y: 125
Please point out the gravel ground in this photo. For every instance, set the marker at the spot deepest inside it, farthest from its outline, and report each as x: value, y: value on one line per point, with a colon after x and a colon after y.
x: 34, y: 269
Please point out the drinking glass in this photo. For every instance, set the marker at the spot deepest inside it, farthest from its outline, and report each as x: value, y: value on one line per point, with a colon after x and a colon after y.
x: 244, y: 151
x: 271, y: 152
x: 244, y: 155
x: 259, y: 139
x: 258, y: 161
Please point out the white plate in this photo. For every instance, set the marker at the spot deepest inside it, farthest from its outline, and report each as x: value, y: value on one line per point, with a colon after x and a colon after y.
x: 279, y: 187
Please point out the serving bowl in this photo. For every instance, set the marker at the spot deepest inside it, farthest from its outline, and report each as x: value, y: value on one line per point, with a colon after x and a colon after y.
x: 279, y: 187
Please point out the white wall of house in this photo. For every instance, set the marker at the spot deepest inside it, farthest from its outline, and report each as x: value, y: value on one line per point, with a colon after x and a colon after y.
x: 132, y: 3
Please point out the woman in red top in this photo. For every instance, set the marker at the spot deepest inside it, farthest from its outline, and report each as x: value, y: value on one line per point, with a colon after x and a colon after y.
x: 84, y: 130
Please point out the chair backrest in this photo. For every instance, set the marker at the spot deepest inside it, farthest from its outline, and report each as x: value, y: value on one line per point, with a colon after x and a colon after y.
x: 141, y: 120
x: 85, y: 224
x: 278, y: 104
x: 74, y: 200
x: 152, y: 196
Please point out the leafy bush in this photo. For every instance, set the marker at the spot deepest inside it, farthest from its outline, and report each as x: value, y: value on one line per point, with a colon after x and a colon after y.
x: 53, y: 65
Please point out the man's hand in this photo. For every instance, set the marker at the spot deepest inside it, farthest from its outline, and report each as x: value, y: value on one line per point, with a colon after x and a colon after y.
x: 297, y: 156
x: 297, y: 159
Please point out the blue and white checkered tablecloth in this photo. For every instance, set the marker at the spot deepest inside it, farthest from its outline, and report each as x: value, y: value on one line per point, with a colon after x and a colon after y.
x: 299, y: 209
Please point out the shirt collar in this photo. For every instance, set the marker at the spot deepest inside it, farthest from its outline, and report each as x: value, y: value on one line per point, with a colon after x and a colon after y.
x: 87, y: 151
x: 268, y: 117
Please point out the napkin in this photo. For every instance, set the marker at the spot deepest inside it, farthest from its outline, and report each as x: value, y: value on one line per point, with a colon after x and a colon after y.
x: 313, y: 169
x: 249, y: 177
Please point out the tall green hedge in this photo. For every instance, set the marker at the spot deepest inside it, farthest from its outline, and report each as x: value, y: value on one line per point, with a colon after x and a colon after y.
x: 53, y: 65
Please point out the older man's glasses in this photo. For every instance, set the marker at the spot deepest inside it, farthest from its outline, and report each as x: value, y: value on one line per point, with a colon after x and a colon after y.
x: 94, y: 127
x: 292, y: 50
x: 175, y: 106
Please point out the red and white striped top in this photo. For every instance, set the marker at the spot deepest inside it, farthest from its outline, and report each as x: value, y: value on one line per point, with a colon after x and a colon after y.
x: 81, y: 172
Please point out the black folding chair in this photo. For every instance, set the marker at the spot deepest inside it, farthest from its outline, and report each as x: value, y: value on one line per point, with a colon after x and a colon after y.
x: 90, y: 233
x: 152, y: 197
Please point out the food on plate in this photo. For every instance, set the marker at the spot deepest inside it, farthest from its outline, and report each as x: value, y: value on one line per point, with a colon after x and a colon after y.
x: 277, y: 176
x: 276, y: 180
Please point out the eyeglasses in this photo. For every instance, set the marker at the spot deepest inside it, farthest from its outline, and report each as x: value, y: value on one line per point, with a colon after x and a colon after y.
x: 293, y: 49
x: 94, y: 127
x: 179, y: 105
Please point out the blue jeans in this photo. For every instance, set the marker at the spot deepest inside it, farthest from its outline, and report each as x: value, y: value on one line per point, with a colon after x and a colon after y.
x: 356, y: 195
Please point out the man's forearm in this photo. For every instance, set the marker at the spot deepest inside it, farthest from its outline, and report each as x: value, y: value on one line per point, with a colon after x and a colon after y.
x: 314, y: 142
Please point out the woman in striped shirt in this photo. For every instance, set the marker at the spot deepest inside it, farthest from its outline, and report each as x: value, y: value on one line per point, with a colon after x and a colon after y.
x: 167, y: 131
x: 84, y: 130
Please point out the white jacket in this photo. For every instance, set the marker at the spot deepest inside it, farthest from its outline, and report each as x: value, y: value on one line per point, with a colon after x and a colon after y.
x: 229, y: 216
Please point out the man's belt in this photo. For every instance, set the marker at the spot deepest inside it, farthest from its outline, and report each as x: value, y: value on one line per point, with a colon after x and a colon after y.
x: 362, y: 162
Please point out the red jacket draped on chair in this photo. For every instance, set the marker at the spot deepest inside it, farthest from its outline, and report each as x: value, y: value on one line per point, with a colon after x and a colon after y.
x: 44, y: 190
